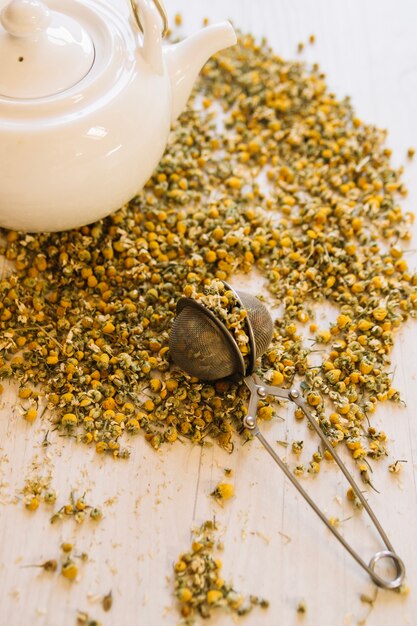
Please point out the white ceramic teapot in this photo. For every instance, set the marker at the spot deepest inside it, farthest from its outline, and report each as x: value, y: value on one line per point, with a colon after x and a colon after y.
x: 86, y: 105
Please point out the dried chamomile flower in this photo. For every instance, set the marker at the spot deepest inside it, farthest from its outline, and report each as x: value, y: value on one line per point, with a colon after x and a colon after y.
x: 31, y: 503
x: 223, y: 491
x: 31, y: 414
x: 96, y: 514
x: 83, y: 619
x: 69, y: 570
x: 302, y: 607
x: 66, y: 547
x: 395, y: 467
x: 297, y: 447
x: 50, y: 565
x: 107, y: 601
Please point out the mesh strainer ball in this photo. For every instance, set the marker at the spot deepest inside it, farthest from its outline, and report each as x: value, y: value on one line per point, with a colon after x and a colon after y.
x: 201, y: 345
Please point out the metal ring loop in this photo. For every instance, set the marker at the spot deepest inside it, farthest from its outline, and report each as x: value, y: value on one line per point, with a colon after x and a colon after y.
x: 162, y: 13
x: 399, y: 567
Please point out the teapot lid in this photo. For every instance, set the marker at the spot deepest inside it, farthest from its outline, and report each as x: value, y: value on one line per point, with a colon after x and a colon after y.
x: 42, y: 52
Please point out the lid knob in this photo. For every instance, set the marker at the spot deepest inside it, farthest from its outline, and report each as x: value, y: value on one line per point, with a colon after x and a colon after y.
x: 25, y: 18
x: 43, y: 52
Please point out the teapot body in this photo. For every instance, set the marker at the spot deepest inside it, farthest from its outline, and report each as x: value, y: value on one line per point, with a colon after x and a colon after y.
x: 70, y: 158
x: 87, y: 97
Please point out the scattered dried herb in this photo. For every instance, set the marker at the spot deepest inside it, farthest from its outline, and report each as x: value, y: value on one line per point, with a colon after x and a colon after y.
x: 85, y: 315
x: 199, y: 586
x: 77, y: 508
x: 37, y: 490
x: 68, y: 567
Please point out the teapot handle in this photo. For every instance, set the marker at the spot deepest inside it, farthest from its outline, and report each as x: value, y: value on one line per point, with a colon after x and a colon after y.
x: 148, y: 15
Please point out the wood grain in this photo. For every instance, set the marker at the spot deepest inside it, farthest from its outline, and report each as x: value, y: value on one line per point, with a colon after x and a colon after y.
x: 274, y: 545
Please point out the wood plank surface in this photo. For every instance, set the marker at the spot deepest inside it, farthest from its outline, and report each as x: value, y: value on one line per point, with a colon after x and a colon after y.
x: 274, y: 545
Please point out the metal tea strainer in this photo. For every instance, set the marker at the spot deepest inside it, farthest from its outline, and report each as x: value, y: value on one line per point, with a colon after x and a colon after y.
x: 202, y: 346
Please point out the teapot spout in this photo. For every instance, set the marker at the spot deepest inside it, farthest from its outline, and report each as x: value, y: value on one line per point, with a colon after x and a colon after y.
x: 185, y: 60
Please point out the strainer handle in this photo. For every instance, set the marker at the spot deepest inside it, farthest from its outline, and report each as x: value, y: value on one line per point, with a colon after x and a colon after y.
x: 260, y: 391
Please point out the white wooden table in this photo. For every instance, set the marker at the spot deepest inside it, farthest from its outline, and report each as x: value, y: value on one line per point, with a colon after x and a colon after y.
x: 274, y: 544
